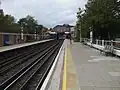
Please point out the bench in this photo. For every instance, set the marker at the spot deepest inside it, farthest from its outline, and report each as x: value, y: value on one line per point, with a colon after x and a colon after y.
x: 109, y: 50
x: 8, y: 43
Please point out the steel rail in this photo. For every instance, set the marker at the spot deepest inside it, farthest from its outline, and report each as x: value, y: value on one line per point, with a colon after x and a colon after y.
x: 29, y: 69
x: 23, y: 87
x: 5, y: 69
x: 8, y: 81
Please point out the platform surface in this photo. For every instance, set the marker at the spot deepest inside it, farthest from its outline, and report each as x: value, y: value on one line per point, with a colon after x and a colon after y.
x: 6, y: 48
x: 86, y: 69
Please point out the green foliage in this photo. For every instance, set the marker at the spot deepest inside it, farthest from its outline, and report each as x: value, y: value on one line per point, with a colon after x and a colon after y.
x: 100, y: 16
x: 7, y: 24
x: 29, y: 24
x: 10, y: 25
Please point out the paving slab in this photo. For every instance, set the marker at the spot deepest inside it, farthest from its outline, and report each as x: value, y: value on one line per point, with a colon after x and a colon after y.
x: 86, y: 68
x: 72, y: 82
x: 94, y: 70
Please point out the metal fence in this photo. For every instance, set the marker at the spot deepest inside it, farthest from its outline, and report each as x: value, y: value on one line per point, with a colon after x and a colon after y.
x: 115, y: 44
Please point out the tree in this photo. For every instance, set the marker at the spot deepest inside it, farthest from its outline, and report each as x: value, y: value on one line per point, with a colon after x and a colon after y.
x: 29, y: 24
x: 102, y: 17
x: 1, y: 21
x: 39, y: 29
x: 8, y: 24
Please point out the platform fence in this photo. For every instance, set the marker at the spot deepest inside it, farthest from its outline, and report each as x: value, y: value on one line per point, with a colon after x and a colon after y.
x: 115, y: 44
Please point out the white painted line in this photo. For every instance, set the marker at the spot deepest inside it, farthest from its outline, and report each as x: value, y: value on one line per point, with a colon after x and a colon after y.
x: 51, y: 70
x: 7, y: 48
x: 102, y: 58
x: 92, y: 61
x: 114, y: 73
x: 94, y: 56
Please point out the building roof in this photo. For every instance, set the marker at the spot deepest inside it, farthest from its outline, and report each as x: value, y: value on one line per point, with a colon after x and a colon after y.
x: 64, y: 25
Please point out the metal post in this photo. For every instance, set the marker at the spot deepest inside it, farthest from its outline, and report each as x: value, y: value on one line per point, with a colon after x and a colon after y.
x: 91, y: 37
x: 111, y: 42
x: 35, y: 34
x: 80, y: 31
x: 42, y: 34
x: 80, y: 36
x: 97, y: 41
x: 22, y: 35
x: 102, y: 42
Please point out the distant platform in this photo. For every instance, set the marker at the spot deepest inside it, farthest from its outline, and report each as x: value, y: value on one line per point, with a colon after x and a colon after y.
x: 11, y: 47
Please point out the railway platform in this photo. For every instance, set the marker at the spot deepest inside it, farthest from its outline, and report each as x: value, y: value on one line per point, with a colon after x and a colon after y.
x: 11, y: 47
x: 81, y: 67
x: 75, y: 67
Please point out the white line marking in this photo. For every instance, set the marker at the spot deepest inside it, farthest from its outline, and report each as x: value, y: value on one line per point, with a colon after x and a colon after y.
x: 114, y: 73
x: 94, y: 56
x: 101, y: 58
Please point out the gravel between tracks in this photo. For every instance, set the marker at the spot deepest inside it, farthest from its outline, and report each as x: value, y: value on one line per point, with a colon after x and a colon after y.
x: 6, y: 75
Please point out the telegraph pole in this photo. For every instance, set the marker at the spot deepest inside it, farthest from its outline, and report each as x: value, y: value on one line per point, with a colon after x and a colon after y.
x: 0, y: 4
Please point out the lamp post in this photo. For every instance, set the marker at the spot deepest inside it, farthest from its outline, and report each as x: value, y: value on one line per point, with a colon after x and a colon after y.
x: 42, y: 33
x: 91, y: 35
x: 35, y: 34
x: 80, y: 34
x: 80, y: 29
x: 22, y: 35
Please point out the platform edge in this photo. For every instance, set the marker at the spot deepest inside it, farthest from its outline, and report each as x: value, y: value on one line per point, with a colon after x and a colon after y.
x: 51, y: 70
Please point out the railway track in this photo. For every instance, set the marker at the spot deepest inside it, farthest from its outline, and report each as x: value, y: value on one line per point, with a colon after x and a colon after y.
x: 10, y: 55
x: 11, y: 69
x: 15, y: 61
x: 33, y: 69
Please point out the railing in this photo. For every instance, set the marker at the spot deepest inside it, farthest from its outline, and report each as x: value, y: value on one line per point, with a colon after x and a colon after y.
x: 116, y: 44
x: 108, y: 46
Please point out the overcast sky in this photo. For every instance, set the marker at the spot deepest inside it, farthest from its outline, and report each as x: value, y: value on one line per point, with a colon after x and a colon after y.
x: 47, y: 12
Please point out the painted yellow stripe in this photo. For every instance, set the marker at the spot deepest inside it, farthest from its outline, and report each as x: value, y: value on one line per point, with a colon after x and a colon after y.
x: 64, y: 71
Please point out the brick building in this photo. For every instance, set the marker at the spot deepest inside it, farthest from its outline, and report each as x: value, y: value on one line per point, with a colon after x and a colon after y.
x: 61, y: 28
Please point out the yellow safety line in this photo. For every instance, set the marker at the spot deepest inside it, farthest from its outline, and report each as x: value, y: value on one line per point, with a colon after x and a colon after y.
x: 64, y: 71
